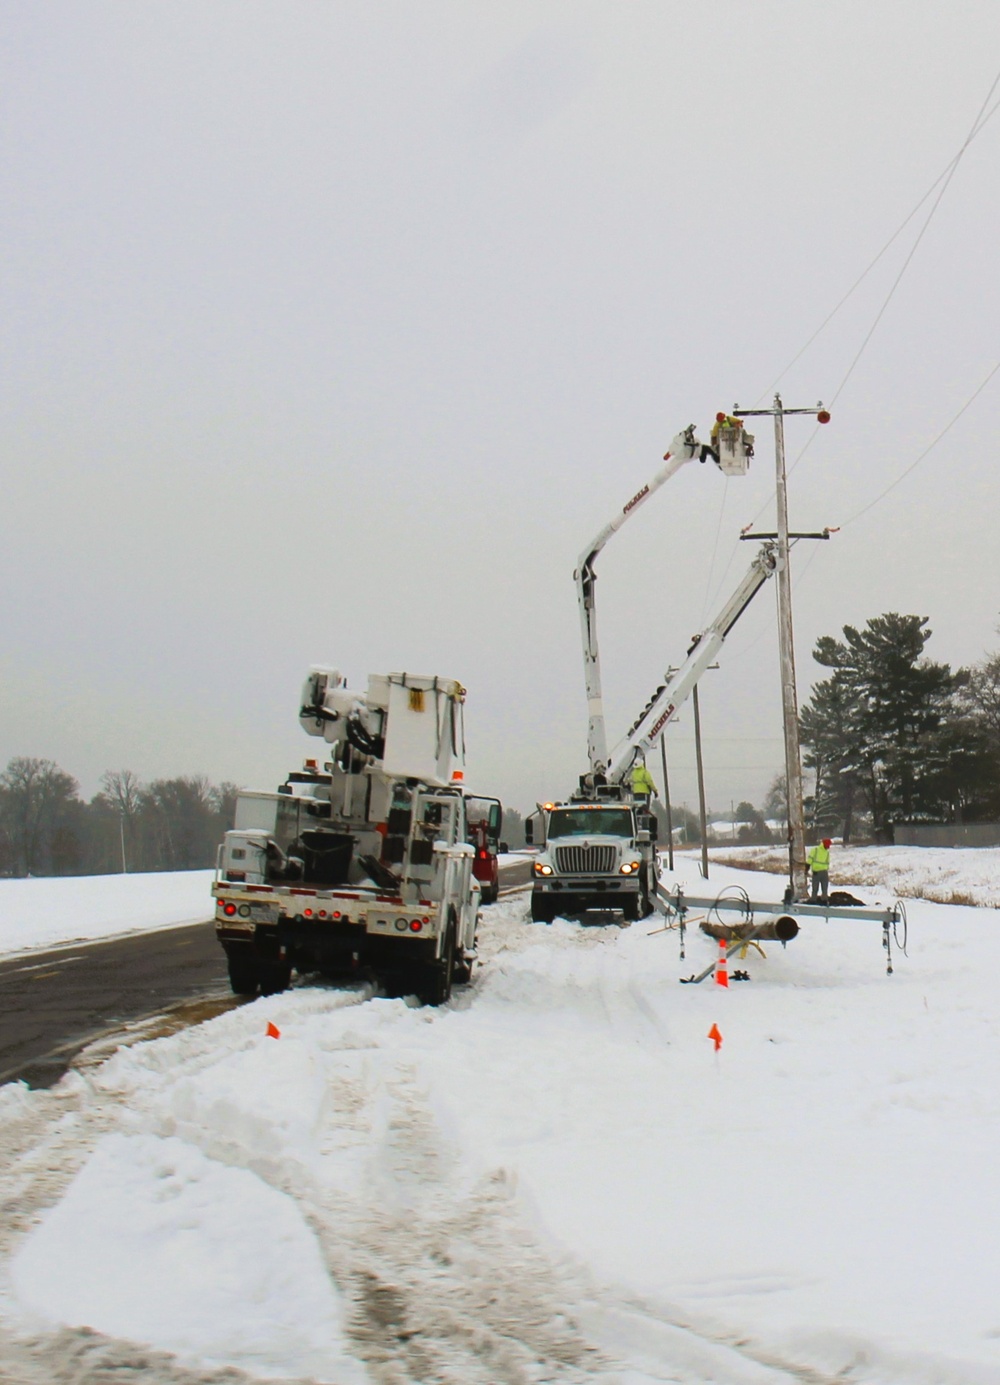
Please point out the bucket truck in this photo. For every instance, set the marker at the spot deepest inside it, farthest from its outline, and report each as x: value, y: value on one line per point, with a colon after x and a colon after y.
x: 599, y: 849
x: 607, y: 860
x: 363, y: 860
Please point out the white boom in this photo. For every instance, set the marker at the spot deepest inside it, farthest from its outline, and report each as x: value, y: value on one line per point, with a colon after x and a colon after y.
x: 684, y: 448
x: 643, y: 732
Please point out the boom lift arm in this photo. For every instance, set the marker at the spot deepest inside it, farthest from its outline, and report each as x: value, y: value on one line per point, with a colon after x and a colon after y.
x: 643, y: 732
x: 684, y: 448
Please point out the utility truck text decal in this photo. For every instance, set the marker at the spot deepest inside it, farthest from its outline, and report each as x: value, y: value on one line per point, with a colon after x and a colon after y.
x: 654, y: 730
x: 635, y: 500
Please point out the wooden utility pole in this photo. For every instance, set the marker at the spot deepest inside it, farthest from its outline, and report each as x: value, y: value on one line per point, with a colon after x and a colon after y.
x: 701, y: 784
x: 666, y: 802
x: 786, y: 645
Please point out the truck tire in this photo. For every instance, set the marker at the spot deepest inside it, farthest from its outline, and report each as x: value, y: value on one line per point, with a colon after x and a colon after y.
x: 631, y: 906
x: 541, y: 909
x: 437, y: 988
x: 462, y: 971
x: 275, y: 977
x: 244, y: 970
x: 489, y: 894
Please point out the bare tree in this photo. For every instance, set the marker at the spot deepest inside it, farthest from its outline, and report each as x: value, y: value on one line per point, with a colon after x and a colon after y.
x: 37, y: 799
x: 121, y: 790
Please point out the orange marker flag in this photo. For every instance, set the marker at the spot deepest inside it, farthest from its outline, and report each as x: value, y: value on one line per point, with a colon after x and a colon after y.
x: 272, y: 1031
x: 715, y: 1036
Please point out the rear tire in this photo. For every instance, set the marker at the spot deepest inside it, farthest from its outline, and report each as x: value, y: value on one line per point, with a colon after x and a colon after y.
x: 631, y: 906
x: 437, y: 990
x: 275, y: 977
x: 244, y: 971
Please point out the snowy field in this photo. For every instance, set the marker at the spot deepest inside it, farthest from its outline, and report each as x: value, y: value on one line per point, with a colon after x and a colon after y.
x: 46, y: 912
x: 947, y: 875
x: 553, y: 1178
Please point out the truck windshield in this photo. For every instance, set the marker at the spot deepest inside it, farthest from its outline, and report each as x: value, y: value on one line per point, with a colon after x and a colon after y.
x: 591, y: 822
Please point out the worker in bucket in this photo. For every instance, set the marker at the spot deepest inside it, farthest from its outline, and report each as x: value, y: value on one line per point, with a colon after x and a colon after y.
x: 643, y: 788
x: 819, y: 863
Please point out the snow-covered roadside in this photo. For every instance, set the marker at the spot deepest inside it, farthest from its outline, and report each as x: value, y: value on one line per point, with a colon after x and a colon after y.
x: 45, y: 912
x: 552, y: 1178
x: 945, y: 875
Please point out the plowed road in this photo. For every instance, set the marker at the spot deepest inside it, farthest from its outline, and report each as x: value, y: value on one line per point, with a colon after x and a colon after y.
x: 53, y: 1004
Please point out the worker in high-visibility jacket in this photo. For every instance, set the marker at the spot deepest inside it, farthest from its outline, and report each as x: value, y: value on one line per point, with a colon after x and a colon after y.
x: 819, y: 863
x: 643, y: 788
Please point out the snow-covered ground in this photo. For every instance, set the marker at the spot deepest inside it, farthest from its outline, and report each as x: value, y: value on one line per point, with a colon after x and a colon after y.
x: 553, y: 1178
x: 39, y: 913
x: 947, y: 875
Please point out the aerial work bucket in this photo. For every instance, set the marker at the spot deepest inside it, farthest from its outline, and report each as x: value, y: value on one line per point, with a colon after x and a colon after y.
x: 733, y: 444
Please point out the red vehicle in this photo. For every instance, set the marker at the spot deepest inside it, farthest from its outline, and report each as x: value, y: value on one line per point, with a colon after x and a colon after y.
x: 485, y: 820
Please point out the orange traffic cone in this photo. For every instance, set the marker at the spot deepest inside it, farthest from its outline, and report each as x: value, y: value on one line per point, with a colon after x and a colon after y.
x: 272, y: 1031
x: 722, y: 965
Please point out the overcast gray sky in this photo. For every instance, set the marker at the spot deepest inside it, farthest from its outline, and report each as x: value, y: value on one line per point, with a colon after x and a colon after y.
x: 331, y: 332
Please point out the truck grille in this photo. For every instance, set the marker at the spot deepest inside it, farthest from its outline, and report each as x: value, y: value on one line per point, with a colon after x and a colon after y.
x: 585, y: 860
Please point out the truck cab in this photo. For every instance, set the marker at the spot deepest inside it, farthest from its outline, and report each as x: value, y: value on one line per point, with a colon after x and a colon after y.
x: 485, y: 819
x: 592, y: 855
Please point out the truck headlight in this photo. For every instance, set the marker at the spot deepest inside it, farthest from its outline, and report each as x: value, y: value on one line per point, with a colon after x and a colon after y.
x: 629, y: 867
x: 542, y: 869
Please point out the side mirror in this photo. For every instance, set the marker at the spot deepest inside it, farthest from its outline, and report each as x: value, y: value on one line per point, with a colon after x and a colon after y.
x: 653, y: 827
x: 529, y: 832
x: 504, y: 849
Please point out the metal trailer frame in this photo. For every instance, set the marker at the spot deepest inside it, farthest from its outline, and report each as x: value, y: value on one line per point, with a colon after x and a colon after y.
x: 679, y: 904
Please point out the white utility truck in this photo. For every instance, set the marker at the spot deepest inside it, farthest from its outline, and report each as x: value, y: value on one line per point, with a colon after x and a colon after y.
x: 594, y: 854
x: 599, y: 848
x: 360, y: 861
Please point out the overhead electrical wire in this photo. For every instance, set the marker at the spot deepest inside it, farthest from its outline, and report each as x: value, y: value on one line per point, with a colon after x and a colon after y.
x: 715, y: 550
x: 983, y: 116
x: 929, y: 448
x: 946, y: 173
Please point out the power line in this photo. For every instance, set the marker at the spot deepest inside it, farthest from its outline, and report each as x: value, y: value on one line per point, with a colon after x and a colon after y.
x: 929, y: 448
x: 920, y: 235
x: 978, y: 126
x: 715, y: 549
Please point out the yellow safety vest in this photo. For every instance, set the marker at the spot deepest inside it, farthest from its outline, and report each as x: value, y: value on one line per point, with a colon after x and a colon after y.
x: 819, y: 858
x: 642, y: 780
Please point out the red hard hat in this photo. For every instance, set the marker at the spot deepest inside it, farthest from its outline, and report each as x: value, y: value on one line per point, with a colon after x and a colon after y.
x: 827, y: 841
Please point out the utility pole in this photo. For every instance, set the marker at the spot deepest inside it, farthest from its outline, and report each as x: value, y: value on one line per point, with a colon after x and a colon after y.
x: 786, y: 644
x: 121, y: 824
x: 666, y: 801
x: 701, y: 784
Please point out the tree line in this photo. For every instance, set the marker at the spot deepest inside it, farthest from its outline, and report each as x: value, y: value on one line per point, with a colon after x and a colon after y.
x: 892, y: 735
x: 47, y: 828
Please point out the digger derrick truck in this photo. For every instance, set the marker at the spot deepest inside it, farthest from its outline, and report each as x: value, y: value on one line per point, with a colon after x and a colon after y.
x: 360, y: 861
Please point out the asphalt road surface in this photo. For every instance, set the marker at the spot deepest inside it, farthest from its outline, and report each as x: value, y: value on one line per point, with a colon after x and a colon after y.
x: 54, y: 1004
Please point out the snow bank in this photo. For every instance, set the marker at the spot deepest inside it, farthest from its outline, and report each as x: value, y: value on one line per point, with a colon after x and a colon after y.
x: 156, y: 1243
x: 45, y: 912
x: 946, y: 875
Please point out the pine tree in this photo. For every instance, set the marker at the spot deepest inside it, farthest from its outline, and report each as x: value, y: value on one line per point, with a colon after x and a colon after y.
x: 876, y: 725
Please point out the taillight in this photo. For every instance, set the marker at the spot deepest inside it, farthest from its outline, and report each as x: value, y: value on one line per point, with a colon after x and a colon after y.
x: 229, y: 910
x: 308, y: 913
x: 483, y: 855
x: 415, y: 925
